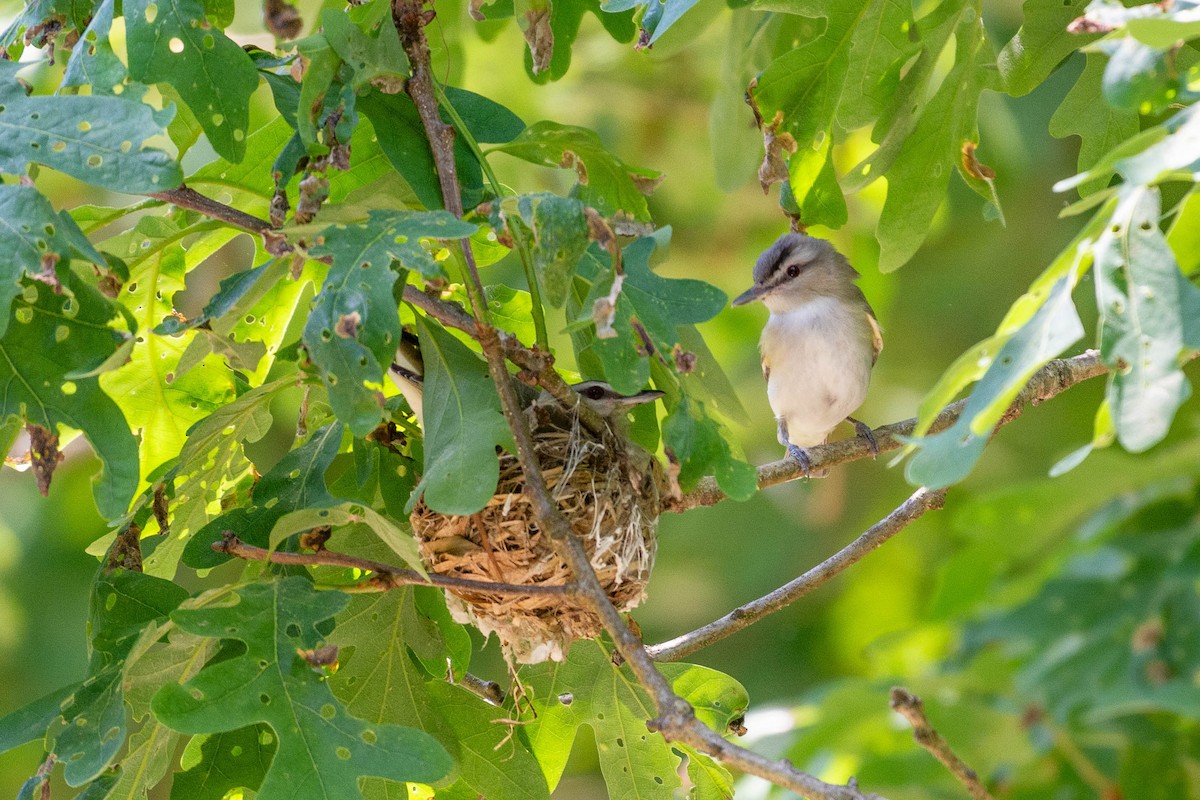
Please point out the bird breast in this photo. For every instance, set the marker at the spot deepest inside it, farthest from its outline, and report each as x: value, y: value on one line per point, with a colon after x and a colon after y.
x: 819, y: 356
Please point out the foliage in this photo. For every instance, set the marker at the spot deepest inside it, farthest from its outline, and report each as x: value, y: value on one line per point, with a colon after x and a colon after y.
x: 281, y: 679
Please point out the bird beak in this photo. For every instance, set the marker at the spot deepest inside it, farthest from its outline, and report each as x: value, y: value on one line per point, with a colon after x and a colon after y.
x: 647, y: 396
x: 748, y: 296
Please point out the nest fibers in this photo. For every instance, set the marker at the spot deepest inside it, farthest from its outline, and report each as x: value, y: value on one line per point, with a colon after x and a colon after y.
x: 606, y: 490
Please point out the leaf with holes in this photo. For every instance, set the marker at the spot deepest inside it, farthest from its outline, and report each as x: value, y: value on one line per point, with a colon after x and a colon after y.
x: 123, y: 605
x: 323, y: 750
x: 171, y: 41
x: 296, y: 482
x: 54, y: 336
x: 152, y: 747
x: 161, y: 402
x: 214, y: 764
x: 37, y: 241
x: 587, y: 689
x: 212, y: 458
x: 559, y: 233
x: 604, y: 182
x: 95, y: 64
x: 463, y: 425
x: 354, y: 327
x: 1149, y: 314
x: 99, y: 140
x: 383, y: 682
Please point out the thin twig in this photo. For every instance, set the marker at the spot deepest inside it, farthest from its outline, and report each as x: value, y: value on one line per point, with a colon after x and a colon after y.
x: 488, y: 690
x: 193, y: 200
x: 909, y: 706
x: 1053, y: 378
x: 386, y: 576
x: 746, y: 615
x: 676, y: 718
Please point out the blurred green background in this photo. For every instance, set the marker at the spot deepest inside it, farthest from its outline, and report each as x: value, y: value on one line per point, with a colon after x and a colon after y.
x: 896, y: 617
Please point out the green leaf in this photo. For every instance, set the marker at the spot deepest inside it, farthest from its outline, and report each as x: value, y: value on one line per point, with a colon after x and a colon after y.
x: 214, y: 764
x: 463, y: 425
x: 54, y: 336
x: 37, y: 240
x: 31, y: 721
x: 947, y: 457
x: 212, y: 458
x: 152, y: 748
x: 73, y: 12
x: 918, y: 178
x: 804, y: 84
x: 694, y: 440
x: 511, y: 310
x: 159, y: 400
x: 492, y: 759
x: 660, y: 306
x: 1099, y: 126
x: 560, y: 237
x: 99, y: 140
x: 604, y: 181
x: 487, y: 121
x: 656, y: 15
x: 296, y: 482
x: 1143, y: 79
x: 322, y: 750
x: 354, y: 326
x: 95, y: 64
x: 1148, y: 312
x: 1041, y: 45
x: 1091, y: 662
x: 170, y: 41
x: 565, y: 20
x: 1184, y: 235
x: 586, y: 689
x: 375, y: 58
x: 123, y: 604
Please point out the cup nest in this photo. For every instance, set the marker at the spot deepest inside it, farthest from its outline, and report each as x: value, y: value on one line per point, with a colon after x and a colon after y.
x: 609, y: 494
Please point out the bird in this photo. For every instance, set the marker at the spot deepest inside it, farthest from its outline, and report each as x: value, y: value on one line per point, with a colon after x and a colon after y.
x: 407, y: 373
x: 819, y: 343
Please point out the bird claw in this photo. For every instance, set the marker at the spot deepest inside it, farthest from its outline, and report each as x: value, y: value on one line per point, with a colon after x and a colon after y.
x: 800, y: 456
x: 864, y: 432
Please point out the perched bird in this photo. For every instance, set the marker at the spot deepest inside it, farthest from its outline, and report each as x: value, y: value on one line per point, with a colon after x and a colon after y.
x: 407, y: 373
x: 819, y: 344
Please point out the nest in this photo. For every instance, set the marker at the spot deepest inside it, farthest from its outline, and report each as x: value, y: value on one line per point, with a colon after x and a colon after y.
x: 608, y: 492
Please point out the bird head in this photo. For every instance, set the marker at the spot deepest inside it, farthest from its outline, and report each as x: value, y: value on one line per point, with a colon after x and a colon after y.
x: 796, y: 269
x: 608, y: 402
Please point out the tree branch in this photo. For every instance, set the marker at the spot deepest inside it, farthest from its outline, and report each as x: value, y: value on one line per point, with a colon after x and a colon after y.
x: 386, y: 576
x: 909, y: 706
x: 676, y: 718
x: 193, y: 200
x: 1052, y: 379
x: 746, y: 615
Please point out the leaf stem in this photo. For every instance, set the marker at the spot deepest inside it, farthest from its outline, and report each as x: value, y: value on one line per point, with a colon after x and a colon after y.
x: 535, y: 290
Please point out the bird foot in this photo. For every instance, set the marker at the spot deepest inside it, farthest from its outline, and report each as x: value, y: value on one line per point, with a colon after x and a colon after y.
x: 864, y: 432
x: 800, y: 456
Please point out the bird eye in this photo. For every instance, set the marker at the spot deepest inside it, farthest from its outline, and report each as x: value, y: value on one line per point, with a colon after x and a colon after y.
x: 793, y: 270
x: 594, y: 392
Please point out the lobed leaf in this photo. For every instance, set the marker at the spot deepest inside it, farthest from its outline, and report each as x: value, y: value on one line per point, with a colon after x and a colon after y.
x: 172, y: 41
x: 322, y: 749
x: 353, y: 328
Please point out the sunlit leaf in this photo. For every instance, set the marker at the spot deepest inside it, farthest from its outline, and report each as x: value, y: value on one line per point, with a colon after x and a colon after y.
x: 1148, y: 316
x: 171, y: 41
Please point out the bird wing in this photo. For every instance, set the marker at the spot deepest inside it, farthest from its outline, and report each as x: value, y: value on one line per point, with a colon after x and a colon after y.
x: 766, y: 371
x: 876, y: 336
